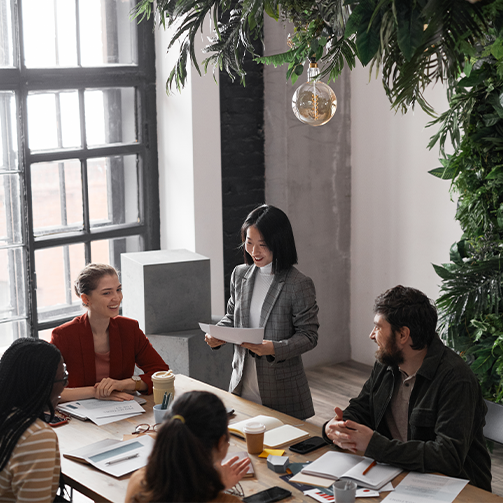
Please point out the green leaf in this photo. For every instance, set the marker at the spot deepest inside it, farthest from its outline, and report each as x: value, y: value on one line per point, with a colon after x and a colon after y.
x: 410, y: 27
x: 495, y: 173
x: 298, y: 70
x: 497, y: 49
x: 443, y: 173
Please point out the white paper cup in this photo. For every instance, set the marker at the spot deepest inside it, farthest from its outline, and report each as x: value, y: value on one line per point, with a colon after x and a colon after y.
x: 254, y: 434
x: 163, y: 381
x: 344, y: 491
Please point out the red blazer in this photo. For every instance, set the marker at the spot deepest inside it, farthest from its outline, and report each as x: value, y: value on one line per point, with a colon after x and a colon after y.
x: 128, y: 346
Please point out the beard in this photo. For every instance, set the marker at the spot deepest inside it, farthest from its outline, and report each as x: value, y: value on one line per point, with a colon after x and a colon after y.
x: 390, y: 354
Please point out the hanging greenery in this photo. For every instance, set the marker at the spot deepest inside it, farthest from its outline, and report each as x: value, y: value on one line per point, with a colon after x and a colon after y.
x: 471, y: 301
x: 413, y: 43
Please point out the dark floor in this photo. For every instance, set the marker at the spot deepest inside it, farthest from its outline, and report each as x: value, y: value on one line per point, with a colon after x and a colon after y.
x: 336, y: 384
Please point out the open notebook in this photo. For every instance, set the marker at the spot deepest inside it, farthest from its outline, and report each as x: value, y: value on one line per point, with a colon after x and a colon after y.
x: 339, y: 465
x: 277, y: 434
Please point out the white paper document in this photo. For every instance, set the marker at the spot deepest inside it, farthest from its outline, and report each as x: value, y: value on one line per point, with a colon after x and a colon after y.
x: 234, y: 335
x: 123, y: 457
x: 426, y: 488
x: 102, y: 411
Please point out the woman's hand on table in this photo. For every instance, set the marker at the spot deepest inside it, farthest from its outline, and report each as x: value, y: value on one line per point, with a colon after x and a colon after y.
x: 108, y: 387
x: 232, y: 471
x: 116, y: 396
x: 212, y: 341
x: 264, y: 349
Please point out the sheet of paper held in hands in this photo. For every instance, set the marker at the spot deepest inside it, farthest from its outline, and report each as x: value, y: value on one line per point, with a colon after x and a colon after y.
x: 103, y: 412
x: 425, y: 488
x: 234, y: 335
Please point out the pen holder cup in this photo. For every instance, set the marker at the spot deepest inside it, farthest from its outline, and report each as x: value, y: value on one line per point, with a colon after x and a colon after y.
x: 159, y: 413
x: 344, y: 491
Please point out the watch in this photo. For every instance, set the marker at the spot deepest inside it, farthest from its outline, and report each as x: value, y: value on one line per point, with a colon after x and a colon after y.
x: 137, y: 382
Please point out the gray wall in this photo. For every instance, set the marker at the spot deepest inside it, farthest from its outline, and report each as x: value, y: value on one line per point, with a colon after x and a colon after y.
x: 308, y: 175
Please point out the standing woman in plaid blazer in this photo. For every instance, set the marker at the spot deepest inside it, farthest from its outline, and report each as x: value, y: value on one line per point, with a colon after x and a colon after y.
x: 267, y: 291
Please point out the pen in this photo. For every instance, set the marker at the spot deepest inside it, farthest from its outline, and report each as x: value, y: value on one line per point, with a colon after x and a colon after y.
x: 164, y: 404
x: 122, y: 459
x: 369, y: 467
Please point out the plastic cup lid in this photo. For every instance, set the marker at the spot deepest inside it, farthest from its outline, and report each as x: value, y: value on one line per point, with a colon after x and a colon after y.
x: 163, y: 375
x: 254, y: 427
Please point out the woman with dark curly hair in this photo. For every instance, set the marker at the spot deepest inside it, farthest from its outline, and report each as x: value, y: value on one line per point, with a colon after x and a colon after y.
x: 32, y: 378
x: 186, y: 462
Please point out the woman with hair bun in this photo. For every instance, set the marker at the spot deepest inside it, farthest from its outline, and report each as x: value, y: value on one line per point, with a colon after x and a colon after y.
x: 267, y: 291
x: 186, y: 462
x: 32, y: 378
x: 100, y: 347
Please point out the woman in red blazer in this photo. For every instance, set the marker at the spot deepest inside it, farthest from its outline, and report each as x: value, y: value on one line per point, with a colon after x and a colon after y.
x: 100, y: 348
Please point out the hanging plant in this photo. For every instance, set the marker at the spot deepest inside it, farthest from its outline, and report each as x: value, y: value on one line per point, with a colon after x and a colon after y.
x: 413, y: 43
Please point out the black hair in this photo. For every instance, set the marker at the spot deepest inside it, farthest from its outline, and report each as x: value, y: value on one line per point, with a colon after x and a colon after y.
x: 27, y: 372
x: 277, y: 232
x: 180, y: 467
x: 407, y: 307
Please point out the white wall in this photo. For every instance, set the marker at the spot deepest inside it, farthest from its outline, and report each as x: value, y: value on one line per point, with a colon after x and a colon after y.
x: 190, y: 187
x: 402, y: 218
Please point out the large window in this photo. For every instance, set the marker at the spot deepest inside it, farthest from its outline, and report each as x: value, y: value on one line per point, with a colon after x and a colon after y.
x: 78, y: 160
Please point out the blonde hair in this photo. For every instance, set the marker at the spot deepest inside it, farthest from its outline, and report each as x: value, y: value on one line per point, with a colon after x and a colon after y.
x: 88, y: 278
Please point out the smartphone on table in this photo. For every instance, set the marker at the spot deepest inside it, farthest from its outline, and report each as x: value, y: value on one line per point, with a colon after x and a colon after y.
x: 56, y: 420
x: 308, y: 445
x: 270, y: 495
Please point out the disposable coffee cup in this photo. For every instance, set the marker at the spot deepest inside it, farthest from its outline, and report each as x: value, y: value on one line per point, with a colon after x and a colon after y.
x: 159, y: 413
x: 163, y: 381
x: 344, y: 491
x: 254, y: 433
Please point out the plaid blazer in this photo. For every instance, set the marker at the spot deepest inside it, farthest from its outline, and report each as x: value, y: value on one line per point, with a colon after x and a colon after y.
x: 290, y: 319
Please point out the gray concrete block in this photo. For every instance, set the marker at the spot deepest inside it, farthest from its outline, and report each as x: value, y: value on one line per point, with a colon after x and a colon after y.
x: 187, y: 353
x: 166, y: 290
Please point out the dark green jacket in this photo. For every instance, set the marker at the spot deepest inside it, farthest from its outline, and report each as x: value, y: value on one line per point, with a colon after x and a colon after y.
x: 446, y: 419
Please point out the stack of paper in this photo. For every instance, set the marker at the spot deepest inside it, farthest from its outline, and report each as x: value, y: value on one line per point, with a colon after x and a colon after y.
x: 102, y: 411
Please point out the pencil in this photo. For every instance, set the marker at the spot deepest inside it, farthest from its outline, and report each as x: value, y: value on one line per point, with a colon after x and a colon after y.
x: 369, y: 467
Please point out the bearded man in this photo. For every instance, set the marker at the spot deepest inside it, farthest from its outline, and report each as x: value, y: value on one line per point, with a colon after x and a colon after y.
x: 422, y: 408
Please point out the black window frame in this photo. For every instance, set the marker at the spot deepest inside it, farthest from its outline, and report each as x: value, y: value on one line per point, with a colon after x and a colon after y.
x: 142, y: 77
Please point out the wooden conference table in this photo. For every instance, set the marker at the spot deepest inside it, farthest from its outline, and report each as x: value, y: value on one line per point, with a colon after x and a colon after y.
x: 102, y: 487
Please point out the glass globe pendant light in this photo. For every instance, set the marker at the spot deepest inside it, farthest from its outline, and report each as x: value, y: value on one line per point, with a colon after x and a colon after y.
x: 314, y: 102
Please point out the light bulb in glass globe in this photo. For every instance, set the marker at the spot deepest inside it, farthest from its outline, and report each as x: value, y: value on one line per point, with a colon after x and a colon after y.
x: 314, y: 102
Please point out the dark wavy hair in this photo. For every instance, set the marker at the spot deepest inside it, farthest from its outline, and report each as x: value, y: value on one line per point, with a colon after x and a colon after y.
x: 27, y: 372
x: 277, y: 232
x: 403, y: 306
x: 180, y: 467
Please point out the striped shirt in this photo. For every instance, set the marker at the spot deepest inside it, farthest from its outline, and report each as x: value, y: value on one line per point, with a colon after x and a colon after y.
x: 32, y: 472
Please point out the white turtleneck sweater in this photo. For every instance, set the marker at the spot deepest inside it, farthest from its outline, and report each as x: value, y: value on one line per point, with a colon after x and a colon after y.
x: 263, y: 280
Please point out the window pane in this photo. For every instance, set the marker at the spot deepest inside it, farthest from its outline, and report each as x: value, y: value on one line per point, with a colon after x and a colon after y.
x: 8, y: 131
x: 10, y: 210
x: 11, y: 331
x: 57, y: 197
x: 110, y: 116
x: 6, y: 45
x: 56, y: 269
x: 109, y: 251
x: 12, y: 284
x: 107, y: 34
x: 53, y: 120
x: 49, y: 33
x: 113, y: 190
